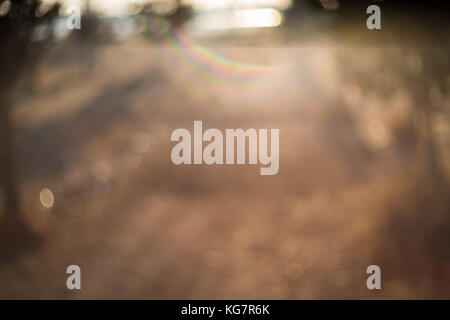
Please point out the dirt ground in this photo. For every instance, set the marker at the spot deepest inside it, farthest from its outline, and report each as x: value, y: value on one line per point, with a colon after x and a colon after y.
x: 356, y: 185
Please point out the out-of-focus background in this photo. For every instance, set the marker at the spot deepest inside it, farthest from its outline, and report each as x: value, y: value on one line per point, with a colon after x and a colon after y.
x: 86, y: 176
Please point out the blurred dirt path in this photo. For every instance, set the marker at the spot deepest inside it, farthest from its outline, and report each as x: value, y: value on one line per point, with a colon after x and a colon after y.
x: 140, y: 227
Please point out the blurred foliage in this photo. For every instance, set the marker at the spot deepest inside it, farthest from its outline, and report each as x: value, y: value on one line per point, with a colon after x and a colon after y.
x: 20, y: 21
x: 179, y: 14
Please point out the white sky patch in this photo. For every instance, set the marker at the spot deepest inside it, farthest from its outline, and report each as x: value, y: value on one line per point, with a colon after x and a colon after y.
x: 123, y: 7
x: 207, y: 5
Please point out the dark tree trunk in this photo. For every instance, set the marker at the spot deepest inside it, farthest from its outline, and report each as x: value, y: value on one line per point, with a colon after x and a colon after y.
x: 429, y: 150
x: 8, y: 178
x: 16, y: 237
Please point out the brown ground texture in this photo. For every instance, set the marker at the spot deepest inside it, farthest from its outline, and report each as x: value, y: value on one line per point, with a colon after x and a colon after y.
x: 356, y: 185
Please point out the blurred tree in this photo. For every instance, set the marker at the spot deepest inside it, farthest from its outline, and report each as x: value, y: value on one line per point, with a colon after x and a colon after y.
x: 178, y: 13
x: 181, y: 14
x: 21, y: 23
